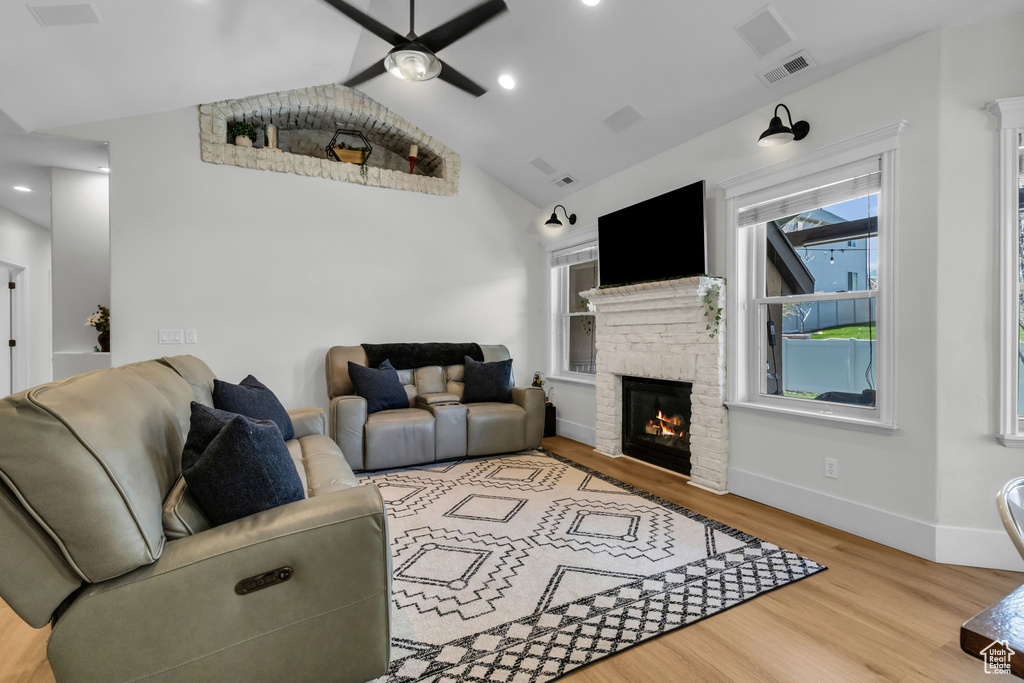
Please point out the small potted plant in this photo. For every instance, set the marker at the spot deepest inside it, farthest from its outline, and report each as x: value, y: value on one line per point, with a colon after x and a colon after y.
x: 243, y: 133
x: 101, y: 321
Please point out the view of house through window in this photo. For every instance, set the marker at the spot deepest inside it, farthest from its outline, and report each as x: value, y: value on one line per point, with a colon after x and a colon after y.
x: 1020, y: 281
x: 582, y: 352
x: 820, y: 279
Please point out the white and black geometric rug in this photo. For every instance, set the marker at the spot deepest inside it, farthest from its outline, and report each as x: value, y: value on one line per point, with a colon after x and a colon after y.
x: 521, y: 568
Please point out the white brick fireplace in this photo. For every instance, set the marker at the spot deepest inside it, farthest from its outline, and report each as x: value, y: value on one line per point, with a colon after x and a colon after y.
x: 658, y: 330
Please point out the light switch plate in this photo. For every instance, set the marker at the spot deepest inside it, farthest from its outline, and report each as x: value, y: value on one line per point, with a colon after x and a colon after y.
x: 190, y: 336
x: 171, y: 336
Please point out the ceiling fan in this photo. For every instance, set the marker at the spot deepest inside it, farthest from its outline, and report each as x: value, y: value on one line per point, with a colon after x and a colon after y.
x: 413, y: 58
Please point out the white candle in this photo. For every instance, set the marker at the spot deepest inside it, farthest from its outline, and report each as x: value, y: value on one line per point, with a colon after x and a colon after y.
x: 414, y: 151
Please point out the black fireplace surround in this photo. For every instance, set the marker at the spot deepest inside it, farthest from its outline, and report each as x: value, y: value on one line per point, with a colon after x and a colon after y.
x: 656, y: 422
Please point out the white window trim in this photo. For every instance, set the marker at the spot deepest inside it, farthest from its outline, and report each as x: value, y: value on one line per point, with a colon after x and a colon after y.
x: 1010, y: 116
x: 557, y: 363
x: 744, y: 349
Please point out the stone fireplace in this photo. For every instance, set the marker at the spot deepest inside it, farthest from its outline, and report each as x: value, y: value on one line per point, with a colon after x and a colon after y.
x: 657, y: 331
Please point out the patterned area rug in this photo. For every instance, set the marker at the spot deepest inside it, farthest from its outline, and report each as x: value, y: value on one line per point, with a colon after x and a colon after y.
x: 524, y: 567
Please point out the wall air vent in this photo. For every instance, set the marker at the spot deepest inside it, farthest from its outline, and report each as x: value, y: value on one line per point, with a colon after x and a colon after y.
x: 765, y: 32
x: 75, y: 14
x: 564, y: 181
x: 799, y: 62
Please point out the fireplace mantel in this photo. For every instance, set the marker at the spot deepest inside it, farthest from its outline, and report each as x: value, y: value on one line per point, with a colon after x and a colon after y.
x: 659, y: 330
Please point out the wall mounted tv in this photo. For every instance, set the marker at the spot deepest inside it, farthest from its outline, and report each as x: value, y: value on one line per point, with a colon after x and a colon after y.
x: 658, y: 239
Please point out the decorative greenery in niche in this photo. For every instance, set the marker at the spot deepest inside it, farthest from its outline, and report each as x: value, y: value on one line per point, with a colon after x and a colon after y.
x: 237, y: 128
x: 713, y: 311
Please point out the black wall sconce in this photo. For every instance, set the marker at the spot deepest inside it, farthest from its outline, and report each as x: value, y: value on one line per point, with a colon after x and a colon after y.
x: 778, y: 134
x: 553, y: 222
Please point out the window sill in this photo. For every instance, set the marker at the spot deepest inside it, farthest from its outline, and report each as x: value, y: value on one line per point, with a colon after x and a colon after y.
x: 842, y: 421
x: 585, y: 380
x: 1011, y: 440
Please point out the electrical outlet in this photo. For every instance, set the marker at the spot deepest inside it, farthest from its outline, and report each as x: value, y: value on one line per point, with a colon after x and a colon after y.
x: 831, y: 468
x: 190, y: 336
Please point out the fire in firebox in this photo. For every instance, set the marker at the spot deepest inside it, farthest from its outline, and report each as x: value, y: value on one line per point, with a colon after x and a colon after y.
x: 662, y: 425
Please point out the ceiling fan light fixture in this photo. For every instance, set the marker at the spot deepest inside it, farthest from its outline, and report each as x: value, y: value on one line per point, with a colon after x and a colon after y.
x: 412, y: 62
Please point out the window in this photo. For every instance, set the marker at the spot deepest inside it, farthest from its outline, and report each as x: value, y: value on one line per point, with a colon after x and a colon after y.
x: 1010, y: 113
x: 574, y: 269
x: 811, y: 284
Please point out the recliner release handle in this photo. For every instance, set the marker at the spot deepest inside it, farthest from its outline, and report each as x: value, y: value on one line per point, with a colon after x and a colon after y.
x: 265, y: 580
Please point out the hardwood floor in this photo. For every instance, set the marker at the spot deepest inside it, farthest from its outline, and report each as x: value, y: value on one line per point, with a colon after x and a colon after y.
x: 877, y: 614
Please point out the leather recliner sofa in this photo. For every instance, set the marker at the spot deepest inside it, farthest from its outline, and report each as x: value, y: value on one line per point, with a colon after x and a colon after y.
x: 99, y: 536
x: 436, y: 425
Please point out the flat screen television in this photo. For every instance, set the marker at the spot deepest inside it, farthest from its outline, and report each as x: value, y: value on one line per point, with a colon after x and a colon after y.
x: 658, y: 239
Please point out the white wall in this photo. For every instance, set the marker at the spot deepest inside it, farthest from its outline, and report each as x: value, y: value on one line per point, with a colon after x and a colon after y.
x: 272, y: 269
x: 23, y: 241
x: 891, y: 487
x: 979, y: 63
x: 80, y: 224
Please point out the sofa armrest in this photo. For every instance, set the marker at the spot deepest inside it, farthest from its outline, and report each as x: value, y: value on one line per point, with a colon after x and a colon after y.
x: 531, y: 399
x: 348, y: 419
x: 308, y: 421
x: 181, y: 619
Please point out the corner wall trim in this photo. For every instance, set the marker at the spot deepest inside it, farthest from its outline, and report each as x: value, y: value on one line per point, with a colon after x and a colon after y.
x: 976, y: 548
x: 576, y: 432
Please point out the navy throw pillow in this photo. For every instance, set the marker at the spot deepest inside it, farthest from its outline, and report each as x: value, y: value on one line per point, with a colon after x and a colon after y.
x: 236, y: 466
x: 487, y: 382
x: 252, y: 399
x: 379, y: 386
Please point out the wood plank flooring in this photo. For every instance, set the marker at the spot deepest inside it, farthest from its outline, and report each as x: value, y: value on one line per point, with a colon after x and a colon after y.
x: 877, y: 614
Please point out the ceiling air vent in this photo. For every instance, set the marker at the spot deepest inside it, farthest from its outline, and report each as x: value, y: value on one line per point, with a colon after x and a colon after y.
x: 623, y: 118
x: 765, y: 32
x: 564, y: 181
x: 801, y: 61
x: 543, y: 166
x: 74, y: 14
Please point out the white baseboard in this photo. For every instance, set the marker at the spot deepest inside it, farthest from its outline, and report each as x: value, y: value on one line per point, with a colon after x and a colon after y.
x: 987, y: 548
x: 576, y: 432
x: 976, y: 548
x: 903, y: 533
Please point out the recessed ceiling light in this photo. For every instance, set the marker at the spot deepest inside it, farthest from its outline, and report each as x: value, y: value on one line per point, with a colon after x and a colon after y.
x: 506, y: 81
x: 104, y: 169
x: 590, y: 3
x: 22, y: 188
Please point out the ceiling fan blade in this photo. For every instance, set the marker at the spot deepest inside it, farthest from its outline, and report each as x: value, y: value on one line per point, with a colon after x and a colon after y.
x: 366, y: 21
x: 456, y: 78
x: 374, y: 70
x: 467, y: 22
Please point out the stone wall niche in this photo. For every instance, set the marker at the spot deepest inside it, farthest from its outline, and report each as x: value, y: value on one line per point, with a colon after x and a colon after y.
x: 307, y: 118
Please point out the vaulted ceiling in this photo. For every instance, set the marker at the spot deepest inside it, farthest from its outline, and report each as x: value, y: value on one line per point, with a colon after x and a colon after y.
x: 681, y: 65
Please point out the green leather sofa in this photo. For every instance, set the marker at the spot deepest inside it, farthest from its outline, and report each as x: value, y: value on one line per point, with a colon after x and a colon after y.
x: 100, y: 538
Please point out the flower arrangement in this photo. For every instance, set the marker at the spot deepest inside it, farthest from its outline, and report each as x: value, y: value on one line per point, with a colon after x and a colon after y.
x: 100, y: 319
